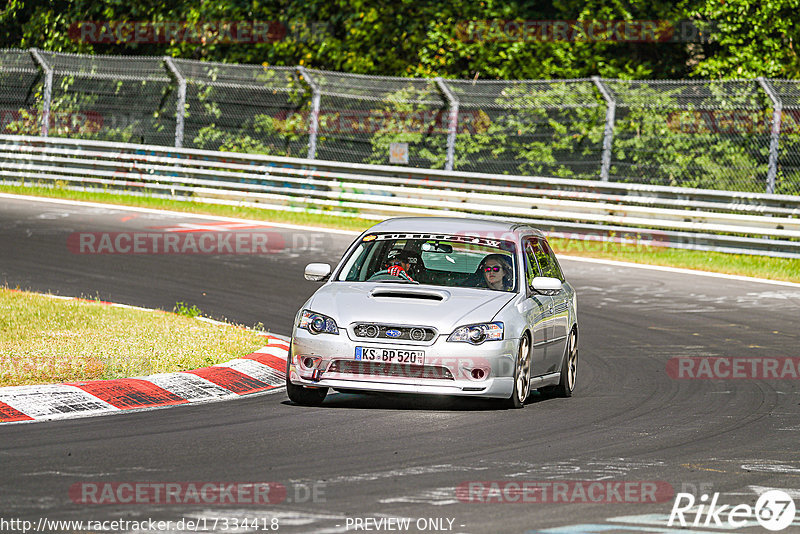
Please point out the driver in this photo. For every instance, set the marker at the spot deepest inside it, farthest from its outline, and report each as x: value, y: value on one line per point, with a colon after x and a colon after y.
x: 400, y: 263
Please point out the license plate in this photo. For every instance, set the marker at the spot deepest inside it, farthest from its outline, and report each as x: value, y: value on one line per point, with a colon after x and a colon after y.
x: 377, y: 354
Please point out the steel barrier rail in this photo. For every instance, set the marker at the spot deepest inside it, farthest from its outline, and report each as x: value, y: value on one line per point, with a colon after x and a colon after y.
x: 633, y: 205
x: 443, y: 199
x: 679, y: 217
x: 641, y: 205
x: 737, y: 203
x: 632, y: 193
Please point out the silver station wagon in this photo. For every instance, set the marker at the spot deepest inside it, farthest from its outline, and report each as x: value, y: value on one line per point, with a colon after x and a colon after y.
x: 442, y: 306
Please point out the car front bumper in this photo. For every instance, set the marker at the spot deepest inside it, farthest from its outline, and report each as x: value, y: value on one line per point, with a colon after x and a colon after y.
x: 450, y: 368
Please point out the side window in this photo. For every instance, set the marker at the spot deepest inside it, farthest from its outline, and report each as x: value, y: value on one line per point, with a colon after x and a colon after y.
x: 531, y: 265
x: 547, y: 260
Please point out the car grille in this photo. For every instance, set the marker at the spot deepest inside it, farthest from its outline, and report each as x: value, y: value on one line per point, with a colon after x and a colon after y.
x: 387, y: 331
x: 397, y: 370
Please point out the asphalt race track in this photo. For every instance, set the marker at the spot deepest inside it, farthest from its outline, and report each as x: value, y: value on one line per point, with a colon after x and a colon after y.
x: 364, y: 457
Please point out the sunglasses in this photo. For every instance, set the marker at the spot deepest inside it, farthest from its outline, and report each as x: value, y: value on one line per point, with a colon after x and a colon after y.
x: 495, y: 269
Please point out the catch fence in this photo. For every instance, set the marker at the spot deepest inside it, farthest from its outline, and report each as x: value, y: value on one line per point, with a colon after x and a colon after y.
x: 737, y: 135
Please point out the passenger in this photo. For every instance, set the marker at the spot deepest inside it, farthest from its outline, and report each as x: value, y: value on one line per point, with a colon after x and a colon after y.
x: 497, y: 272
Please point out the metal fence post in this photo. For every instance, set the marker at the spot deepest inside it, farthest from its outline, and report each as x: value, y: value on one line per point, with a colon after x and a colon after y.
x: 313, y: 126
x: 48, y: 90
x: 775, y: 132
x: 180, y: 109
x: 452, y: 123
x: 608, y: 133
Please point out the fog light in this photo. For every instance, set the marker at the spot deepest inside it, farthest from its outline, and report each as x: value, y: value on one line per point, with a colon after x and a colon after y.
x: 310, y: 362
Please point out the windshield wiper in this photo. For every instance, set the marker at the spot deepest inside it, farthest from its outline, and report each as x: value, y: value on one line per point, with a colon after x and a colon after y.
x: 398, y: 281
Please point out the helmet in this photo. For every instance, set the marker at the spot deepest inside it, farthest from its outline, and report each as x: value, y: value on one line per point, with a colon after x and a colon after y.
x: 397, y: 256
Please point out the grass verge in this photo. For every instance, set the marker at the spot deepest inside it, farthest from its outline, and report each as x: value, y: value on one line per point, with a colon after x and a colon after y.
x: 46, y: 340
x: 738, y: 264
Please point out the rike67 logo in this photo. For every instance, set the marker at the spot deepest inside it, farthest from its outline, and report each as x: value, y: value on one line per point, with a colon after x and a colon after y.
x: 774, y: 510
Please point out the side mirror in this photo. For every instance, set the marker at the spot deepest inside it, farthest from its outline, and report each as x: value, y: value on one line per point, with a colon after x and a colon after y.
x: 317, y: 272
x: 546, y: 285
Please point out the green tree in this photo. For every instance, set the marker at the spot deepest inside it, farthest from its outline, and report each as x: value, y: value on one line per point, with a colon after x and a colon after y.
x: 749, y: 39
x: 401, y: 38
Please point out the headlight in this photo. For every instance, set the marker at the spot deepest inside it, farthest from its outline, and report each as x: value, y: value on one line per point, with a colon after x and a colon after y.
x: 316, y: 323
x: 478, y: 333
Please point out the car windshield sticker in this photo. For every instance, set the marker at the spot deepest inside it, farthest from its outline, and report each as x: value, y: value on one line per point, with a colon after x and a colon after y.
x: 458, y: 238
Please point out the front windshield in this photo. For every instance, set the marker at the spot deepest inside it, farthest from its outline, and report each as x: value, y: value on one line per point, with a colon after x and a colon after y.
x: 439, y: 260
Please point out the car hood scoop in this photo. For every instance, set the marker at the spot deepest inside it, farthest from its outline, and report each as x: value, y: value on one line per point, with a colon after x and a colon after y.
x: 443, y: 309
x: 409, y: 293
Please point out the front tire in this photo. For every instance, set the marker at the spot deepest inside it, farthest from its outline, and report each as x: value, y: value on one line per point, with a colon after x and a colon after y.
x: 569, y: 367
x: 522, y: 375
x: 302, y: 395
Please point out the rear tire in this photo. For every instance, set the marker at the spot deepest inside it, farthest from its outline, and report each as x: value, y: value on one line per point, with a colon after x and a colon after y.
x: 302, y: 395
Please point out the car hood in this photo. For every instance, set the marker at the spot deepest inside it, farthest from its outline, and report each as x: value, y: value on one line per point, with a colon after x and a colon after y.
x: 442, y: 308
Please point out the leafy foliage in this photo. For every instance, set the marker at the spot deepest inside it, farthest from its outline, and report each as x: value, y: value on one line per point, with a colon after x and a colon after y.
x: 437, y: 38
x: 510, y: 132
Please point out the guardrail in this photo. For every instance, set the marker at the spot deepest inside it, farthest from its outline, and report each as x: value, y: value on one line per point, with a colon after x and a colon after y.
x: 726, y: 221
